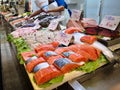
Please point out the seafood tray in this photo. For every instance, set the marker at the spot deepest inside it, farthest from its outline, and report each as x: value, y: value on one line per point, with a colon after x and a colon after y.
x: 110, y: 42
x: 113, y: 41
x: 78, y: 74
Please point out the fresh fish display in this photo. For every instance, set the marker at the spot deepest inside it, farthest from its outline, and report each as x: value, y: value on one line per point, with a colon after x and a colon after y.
x: 60, y: 50
x: 75, y: 57
x: 40, y: 66
x: 30, y: 59
x: 88, y: 39
x: 44, y: 47
x: 96, y: 44
x: 65, y: 65
x: 72, y: 30
x: 30, y: 66
x: 46, y: 74
x: 52, y: 59
x: 28, y: 55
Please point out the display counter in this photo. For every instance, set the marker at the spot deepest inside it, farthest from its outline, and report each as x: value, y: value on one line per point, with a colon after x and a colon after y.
x: 81, y: 77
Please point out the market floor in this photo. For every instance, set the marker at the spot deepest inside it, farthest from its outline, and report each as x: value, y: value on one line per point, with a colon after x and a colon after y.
x: 106, y: 79
x: 13, y: 75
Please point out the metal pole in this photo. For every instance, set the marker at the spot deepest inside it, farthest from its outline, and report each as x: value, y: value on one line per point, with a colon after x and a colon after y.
x: 76, y: 85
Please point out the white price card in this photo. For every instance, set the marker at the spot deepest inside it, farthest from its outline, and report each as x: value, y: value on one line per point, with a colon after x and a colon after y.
x: 53, y: 25
x: 63, y: 38
x: 76, y: 14
x: 110, y: 22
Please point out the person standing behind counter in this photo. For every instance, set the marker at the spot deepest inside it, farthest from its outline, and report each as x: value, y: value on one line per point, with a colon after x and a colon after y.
x: 61, y: 6
x: 52, y: 6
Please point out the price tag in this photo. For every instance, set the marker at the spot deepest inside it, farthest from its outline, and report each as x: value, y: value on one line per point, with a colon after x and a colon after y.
x: 110, y: 22
x: 76, y: 14
x: 63, y: 38
x: 53, y: 25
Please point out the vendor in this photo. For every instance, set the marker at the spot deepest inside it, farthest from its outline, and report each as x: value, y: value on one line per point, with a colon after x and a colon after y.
x: 61, y: 6
x: 54, y: 6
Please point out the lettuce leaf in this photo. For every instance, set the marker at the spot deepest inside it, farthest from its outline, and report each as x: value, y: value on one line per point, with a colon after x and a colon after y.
x: 53, y: 81
x: 92, y: 65
x: 19, y: 54
x: 21, y: 46
x: 9, y: 37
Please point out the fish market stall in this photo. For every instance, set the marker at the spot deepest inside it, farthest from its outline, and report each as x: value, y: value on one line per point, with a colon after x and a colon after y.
x: 50, y: 61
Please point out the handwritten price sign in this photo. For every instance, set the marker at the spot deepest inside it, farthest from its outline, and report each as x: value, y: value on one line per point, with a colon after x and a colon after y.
x: 53, y: 25
x: 110, y: 22
x: 76, y: 14
x: 63, y: 38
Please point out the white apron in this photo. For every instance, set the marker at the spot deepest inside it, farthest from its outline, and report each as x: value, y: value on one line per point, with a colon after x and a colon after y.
x: 64, y: 13
x: 38, y: 4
